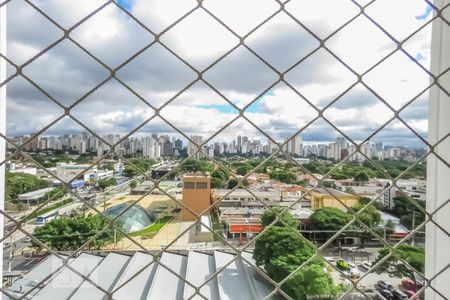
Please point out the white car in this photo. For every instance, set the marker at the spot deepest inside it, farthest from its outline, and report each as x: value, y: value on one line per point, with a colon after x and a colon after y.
x: 352, y: 266
x: 366, y: 265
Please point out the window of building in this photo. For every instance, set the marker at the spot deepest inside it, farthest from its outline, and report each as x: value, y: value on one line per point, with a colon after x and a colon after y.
x: 201, y: 185
x: 189, y: 185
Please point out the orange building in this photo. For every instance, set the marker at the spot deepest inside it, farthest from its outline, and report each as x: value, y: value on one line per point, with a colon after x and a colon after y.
x: 244, y: 227
x: 196, y: 195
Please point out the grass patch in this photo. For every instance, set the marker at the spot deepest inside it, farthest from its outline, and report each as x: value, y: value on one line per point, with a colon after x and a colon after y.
x: 48, y: 208
x: 152, y: 229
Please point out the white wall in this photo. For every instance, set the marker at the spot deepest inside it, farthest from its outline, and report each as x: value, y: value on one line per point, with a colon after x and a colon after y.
x: 438, y: 188
x: 2, y: 122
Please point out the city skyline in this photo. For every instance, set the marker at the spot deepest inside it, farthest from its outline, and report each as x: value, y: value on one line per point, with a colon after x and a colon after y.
x: 157, y: 146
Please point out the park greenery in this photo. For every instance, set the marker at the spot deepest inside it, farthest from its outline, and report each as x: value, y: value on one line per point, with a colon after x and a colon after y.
x: 404, y: 209
x: 359, y: 170
x: 137, y: 166
x: 154, y: 228
x: 330, y: 220
x: 107, y: 182
x: 19, y: 183
x: 403, y: 262
x: 281, y: 250
x: 56, y: 193
x: 50, y: 159
x: 72, y: 233
x: 133, y: 184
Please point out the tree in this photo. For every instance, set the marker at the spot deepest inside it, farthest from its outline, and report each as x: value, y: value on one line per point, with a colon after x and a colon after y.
x: 234, y: 182
x: 370, y: 216
x: 311, y: 280
x: 243, y: 170
x: 283, y: 176
x: 282, y: 250
x: 279, y: 241
x: 129, y: 171
x: 133, y: 184
x: 217, y: 183
x: 270, y: 215
x: 56, y: 193
x: 329, y: 218
x: 71, y: 233
x: 361, y: 177
x: 19, y: 183
x: 395, y: 265
x: 107, y: 182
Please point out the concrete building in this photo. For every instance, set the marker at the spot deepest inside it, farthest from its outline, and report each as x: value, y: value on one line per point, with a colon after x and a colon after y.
x: 196, y: 195
x: 34, y: 197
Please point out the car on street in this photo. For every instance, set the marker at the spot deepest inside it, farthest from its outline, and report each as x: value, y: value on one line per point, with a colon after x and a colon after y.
x: 384, y: 285
x: 27, y: 239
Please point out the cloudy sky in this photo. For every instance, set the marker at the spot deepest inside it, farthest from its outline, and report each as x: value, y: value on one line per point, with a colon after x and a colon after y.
x: 157, y: 76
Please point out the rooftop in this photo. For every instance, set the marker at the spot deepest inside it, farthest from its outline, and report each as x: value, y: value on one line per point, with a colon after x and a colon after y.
x: 35, y: 194
x: 238, y: 280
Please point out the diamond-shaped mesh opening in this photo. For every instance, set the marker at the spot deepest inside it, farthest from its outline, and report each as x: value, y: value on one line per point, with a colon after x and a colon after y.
x: 222, y: 150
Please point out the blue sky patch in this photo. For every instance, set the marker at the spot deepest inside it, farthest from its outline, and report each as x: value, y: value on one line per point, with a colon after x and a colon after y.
x: 127, y: 4
x: 426, y: 14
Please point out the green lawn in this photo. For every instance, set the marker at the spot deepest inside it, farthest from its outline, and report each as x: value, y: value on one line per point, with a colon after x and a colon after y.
x: 48, y: 208
x: 154, y: 228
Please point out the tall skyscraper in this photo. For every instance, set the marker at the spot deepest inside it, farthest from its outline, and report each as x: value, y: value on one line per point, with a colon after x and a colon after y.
x: 193, y: 147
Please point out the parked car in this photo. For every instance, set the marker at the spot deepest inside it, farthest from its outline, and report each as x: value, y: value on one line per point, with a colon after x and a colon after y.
x: 411, y: 295
x: 27, y: 239
x: 399, y: 295
x: 366, y: 265
x: 384, y: 285
x: 386, y: 294
x: 410, y: 285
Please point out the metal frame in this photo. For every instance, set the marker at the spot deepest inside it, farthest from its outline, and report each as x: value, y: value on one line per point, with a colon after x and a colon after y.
x: 440, y: 157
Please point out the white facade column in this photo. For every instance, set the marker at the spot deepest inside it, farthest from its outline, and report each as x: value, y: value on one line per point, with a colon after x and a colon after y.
x: 438, y: 174
x: 2, y: 123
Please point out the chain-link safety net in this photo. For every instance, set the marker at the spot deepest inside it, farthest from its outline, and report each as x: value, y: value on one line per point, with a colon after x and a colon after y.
x: 156, y: 113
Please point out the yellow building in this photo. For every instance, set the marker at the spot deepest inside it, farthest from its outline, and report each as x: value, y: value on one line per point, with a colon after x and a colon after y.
x: 319, y: 197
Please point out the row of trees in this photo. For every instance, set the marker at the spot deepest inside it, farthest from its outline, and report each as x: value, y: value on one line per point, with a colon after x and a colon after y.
x: 348, y: 170
x: 72, y: 233
x: 330, y: 220
x: 138, y: 166
x: 107, y: 182
x: 281, y: 250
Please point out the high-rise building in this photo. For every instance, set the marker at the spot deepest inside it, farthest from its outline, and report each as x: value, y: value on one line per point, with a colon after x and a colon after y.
x: 197, y: 140
x: 239, y: 144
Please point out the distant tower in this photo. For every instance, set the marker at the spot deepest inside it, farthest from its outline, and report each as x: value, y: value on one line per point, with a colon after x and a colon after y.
x: 196, y: 195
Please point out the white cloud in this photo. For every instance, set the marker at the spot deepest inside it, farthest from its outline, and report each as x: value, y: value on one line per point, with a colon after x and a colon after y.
x: 67, y: 73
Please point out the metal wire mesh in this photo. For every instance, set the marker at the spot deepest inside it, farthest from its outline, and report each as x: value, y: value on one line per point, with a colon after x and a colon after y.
x: 157, y: 39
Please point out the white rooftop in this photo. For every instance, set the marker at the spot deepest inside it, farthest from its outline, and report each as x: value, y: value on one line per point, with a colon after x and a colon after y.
x: 138, y: 276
